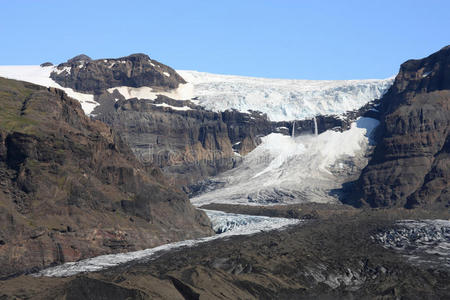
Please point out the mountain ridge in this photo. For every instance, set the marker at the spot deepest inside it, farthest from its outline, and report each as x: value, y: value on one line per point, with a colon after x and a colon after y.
x: 70, y: 188
x: 411, y: 160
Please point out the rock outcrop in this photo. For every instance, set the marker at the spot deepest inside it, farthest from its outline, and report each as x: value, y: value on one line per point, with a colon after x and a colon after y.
x: 411, y: 162
x: 188, y: 145
x: 70, y: 188
x: 83, y: 74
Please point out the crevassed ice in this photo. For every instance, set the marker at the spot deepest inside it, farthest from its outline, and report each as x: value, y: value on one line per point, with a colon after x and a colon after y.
x: 282, y: 99
x: 423, y: 242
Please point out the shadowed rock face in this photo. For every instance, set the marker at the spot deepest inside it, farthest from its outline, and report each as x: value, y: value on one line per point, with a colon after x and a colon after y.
x: 411, y: 163
x: 188, y: 145
x: 94, y: 76
x: 70, y: 188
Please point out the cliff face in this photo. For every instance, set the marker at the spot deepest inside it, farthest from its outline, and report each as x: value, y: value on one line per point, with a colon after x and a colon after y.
x: 186, y: 144
x: 189, y: 145
x: 71, y: 189
x: 93, y: 76
x: 192, y: 143
x: 411, y: 163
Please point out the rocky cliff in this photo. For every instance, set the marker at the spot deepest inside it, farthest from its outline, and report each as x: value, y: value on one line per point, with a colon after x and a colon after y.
x: 411, y: 163
x: 70, y: 188
x: 83, y: 74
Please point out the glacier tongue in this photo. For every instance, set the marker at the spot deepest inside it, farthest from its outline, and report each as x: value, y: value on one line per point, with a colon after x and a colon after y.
x: 228, y: 224
x: 282, y: 99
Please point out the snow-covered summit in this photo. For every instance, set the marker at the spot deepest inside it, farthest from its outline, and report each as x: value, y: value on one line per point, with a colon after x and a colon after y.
x: 282, y: 99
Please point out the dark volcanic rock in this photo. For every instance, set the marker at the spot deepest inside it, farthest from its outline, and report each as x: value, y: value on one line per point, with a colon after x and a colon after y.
x: 79, y: 58
x: 46, y: 64
x: 411, y: 163
x: 94, y: 76
x: 70, y: 188
x: 188, y: 145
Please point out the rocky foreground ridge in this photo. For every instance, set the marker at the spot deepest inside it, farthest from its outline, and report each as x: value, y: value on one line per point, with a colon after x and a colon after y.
x: 331, y: 257
x: 411, y: 162
x: 70, y: 188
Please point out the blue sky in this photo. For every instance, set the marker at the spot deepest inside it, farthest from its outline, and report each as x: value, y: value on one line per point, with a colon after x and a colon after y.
x: 278, y: 38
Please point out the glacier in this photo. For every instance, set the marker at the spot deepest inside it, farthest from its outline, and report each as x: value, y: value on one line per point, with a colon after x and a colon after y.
x: 228, y: 224
x: 281, y: 99
x: 287, y: 170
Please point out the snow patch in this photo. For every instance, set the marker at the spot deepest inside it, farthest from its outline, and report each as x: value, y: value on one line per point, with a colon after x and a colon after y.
x: 183, y: 92
x: 144, y: 92
x: 183, y: 108
x: 41, y: 76
x: 59, y: 71
x: 426, y: 74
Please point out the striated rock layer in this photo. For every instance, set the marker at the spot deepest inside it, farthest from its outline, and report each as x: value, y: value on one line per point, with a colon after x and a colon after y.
x: 70, y: 188
x: 411, y: 163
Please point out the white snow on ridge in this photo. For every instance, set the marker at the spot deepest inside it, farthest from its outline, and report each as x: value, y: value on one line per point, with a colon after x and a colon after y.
x: 231, y: 224
x: 183, y: 108
x: 144, y: 92
x: 282, y: 99
x: 183, y: 92
x: 41, y: 76
x: 284, y: 170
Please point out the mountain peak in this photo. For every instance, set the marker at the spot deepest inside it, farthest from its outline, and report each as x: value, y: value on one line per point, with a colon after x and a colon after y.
x: 79, y: 58
x: 83, y: 74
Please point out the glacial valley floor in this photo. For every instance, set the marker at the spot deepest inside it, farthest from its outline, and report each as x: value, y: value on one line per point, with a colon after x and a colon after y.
x: 331, y: 255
